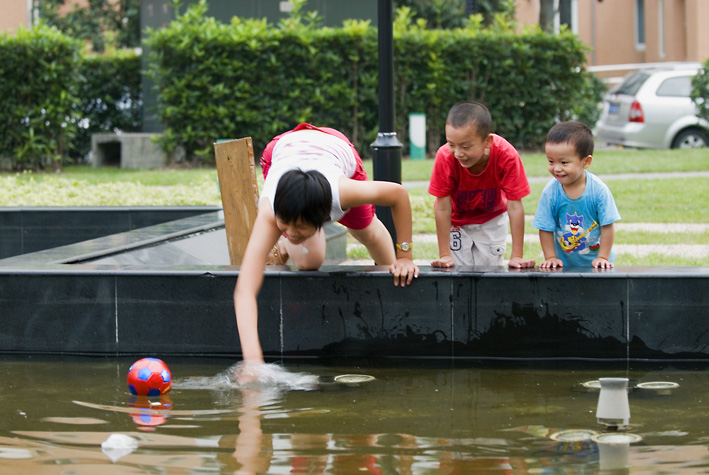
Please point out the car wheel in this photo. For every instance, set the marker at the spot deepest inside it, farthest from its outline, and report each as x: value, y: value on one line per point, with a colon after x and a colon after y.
x: 691, y: 138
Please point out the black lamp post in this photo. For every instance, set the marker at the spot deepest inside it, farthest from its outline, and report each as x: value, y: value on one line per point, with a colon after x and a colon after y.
x: 387, y: 148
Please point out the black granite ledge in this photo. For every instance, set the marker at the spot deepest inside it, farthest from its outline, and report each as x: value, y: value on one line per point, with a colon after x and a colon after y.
x: 24, y: 230
x: 116, y: 243
x: 78, y: 300
x: 342, y: 312
x: 17, y: 266
x: 194, y: 240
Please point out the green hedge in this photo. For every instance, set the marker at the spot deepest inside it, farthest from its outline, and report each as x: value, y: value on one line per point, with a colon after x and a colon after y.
x: 39, y: 97
x: 54, y: 98
x: 249, y: 78
x: 529, y: 81
x: 111, y: 97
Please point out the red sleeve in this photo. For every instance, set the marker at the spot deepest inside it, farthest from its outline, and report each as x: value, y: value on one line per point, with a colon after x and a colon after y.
x: 443, y: 177
x: 513, y: 179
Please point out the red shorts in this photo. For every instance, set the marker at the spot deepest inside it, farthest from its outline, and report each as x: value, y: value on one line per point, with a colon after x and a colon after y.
x: 358, y: 217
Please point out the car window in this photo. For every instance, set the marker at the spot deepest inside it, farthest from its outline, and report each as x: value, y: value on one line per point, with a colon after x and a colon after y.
x: 631, y: 84
x: 677, y: 87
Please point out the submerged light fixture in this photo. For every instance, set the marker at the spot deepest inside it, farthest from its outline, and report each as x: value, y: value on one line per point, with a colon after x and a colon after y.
x: 613, y: 449
x: 613, y: 409
x: 353, y: 379
x: 663, y: 388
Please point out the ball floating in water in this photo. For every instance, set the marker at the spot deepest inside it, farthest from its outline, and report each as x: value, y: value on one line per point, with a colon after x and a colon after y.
x: 149, y: 377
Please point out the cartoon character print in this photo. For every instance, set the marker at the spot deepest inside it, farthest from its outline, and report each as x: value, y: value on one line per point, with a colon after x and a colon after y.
x: 573, y: 237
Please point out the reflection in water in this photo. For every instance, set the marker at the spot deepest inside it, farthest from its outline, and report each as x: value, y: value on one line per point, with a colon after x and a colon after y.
x: 408, y: 420
x: 253, y: 449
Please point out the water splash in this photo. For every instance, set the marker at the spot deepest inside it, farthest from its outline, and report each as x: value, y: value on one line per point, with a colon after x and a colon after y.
x: 249, y: 375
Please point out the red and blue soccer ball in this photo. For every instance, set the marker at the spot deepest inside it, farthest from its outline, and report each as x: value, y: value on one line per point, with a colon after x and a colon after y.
x: 149, y: 377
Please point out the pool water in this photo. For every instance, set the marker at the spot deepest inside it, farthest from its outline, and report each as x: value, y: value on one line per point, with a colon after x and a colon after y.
x: 76, y: 416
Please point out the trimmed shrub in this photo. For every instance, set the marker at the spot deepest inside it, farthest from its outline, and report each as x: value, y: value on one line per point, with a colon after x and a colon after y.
x: 54, y: 97
x: 248, y: 78
x: 39, y: 97
x: 111, y: 97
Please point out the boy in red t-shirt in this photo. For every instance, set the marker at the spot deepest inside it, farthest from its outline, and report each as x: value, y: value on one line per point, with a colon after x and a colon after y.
x: 478, y: 180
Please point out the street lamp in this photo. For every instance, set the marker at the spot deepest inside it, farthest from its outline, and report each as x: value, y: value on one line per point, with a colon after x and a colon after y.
x: 387, y: 148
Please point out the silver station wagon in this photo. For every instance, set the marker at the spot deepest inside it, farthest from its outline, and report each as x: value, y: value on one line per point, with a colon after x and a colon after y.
x: 651, y: 108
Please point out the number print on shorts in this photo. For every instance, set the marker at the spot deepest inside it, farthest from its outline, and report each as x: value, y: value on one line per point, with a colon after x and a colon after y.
x: 456, y: 245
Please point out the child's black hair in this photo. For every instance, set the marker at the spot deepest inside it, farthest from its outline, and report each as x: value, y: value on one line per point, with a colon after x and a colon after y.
x: 575, y: 133
x: 474, y: 113
x: 303, y: 195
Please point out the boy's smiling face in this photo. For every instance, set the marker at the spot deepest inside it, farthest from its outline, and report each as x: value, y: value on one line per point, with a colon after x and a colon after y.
x: 565, y: 165
x: 466, y: 145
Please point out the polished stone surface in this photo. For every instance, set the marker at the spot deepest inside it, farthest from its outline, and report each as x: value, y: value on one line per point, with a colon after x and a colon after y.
x: 194, y: 240
x: 122, y: 242
x: 166, y: 289
x: 31, y: 229
x: 342, y: 314
x: 57, y: 314
x: 668, y: 316
x: 356, y: 311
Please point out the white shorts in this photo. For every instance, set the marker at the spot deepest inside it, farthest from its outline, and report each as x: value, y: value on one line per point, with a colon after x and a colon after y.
x: 480, y: 244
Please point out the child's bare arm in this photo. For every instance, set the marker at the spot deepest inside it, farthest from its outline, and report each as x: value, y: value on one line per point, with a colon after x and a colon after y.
x: 604, y: 252
x: 264, y: 236
x: 546, y: 238
x: 394, y: 195
x: 515, y: 210
x: 442, y: 214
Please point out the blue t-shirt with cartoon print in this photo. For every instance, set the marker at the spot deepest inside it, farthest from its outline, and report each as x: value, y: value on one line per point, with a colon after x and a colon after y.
x: 576, y: 223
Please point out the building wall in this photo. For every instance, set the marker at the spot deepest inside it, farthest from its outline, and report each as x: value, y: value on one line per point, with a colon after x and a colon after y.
x: 14, y: 14
x: 609, y: 29
x: 18, y: 12
x: 696, y: 16
x: 614, y: 33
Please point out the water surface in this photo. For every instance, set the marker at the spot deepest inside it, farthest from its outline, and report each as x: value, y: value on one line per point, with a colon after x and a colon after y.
x: 480, y: 417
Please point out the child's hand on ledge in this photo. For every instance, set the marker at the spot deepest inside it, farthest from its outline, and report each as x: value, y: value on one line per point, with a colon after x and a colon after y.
x: 602, y: 263
x: 445, y: 261
x: 551, y: 263
x: 404, y: 271
x: 520, y: 263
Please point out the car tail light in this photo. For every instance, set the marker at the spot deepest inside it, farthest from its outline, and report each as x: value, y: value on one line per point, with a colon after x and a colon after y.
x: 636, y: 113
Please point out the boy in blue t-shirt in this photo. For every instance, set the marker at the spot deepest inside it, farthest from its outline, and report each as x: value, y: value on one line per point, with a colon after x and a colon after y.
x: 576, y: 211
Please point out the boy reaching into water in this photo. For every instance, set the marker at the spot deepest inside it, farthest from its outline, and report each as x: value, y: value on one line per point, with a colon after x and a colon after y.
x: 576, y: 211
x: 313, y: 175
x: 479, y: 181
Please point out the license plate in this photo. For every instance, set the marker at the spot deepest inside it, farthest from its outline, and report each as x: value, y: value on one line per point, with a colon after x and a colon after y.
x: 613, y: 108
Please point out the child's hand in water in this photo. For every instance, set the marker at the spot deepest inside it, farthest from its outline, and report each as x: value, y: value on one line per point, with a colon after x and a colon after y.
x: 254, y: 374
x: 247, y: 372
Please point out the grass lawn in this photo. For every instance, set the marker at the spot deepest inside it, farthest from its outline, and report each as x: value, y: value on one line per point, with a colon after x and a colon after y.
x: 639, y: 200
x: 605, y: 162
x: 87, y: 186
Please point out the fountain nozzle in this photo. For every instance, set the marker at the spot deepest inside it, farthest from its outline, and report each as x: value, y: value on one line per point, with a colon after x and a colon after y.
x: 613, y: 409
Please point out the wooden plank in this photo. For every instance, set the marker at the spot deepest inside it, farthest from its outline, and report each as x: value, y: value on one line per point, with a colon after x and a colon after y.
x: 236, y: 170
